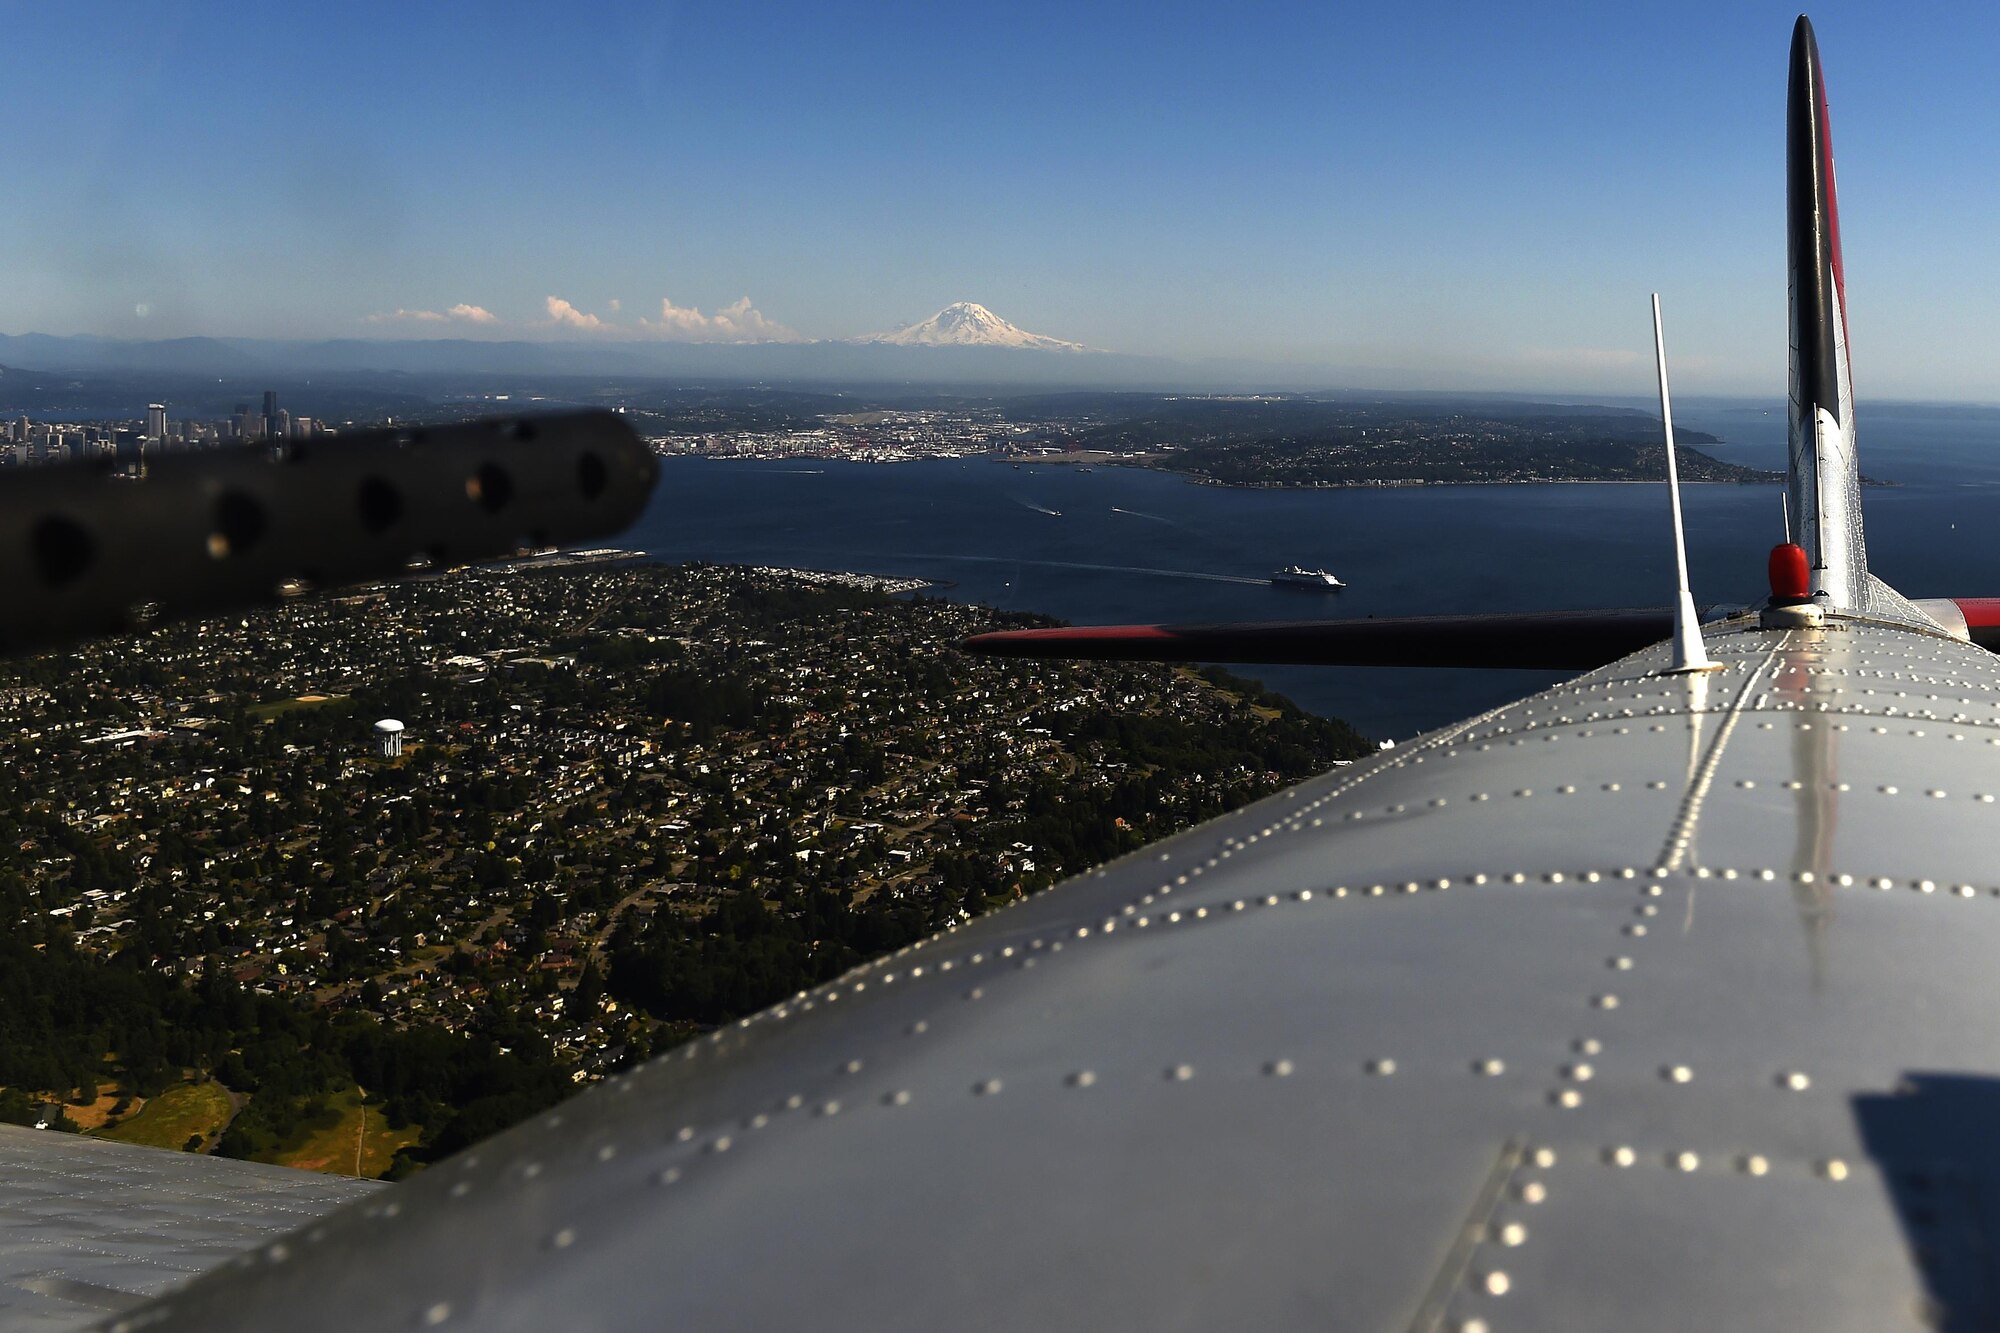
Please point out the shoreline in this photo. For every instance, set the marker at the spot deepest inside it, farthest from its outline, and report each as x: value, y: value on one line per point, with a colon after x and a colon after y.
x: 889, y: 585
x: 1196, y: 479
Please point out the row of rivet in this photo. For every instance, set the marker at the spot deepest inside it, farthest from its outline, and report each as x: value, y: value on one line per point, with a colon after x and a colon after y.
x: 1482, y: 879
x: 1510, y: 1235
x: 1298, y: 821
x: 806, y: 1001
x: 1304, y: 816
x: 1496, y: 1281
x: 803, y: 1000
x: 1685, y: 1162
x: 1549, y: 731
x: 717, y: 1144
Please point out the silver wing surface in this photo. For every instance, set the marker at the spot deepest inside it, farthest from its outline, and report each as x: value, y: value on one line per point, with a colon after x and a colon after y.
x: 89, y: 1226
x: 1649, y: 1002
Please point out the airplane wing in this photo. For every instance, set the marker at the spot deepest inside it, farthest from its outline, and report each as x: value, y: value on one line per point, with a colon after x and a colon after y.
x: 1619, y: 1007
x: 89, y: 1226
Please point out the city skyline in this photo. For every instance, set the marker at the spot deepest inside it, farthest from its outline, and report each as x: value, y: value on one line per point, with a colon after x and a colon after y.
x: 1437, y: 198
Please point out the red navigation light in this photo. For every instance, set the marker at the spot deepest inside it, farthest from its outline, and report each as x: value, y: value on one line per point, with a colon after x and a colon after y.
x: 1791, y: 577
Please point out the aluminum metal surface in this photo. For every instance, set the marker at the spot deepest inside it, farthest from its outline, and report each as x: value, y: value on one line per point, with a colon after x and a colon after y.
x: 1646, y: 1002
x: 89, y: 1226
x: 102, y: 553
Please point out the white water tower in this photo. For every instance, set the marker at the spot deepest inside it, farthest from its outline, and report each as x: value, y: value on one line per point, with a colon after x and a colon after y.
x: 389, y: 735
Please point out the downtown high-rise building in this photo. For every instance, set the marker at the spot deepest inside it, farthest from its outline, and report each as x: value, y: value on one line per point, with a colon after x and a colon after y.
x: 156, y: 421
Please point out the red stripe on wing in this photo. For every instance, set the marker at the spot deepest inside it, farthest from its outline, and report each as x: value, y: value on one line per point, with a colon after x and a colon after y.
x: 1551, y: 640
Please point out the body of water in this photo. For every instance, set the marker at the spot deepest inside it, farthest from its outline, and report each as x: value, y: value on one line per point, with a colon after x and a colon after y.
x: 1127, y: 544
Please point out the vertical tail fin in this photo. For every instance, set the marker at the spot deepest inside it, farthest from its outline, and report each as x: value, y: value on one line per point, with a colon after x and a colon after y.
x: 1822, y: 479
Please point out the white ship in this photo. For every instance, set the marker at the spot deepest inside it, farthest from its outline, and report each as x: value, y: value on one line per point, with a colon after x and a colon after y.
x: 1292, y: 576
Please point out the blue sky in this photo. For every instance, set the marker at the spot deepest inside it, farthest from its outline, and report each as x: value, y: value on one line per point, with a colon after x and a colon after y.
x: 1424, y: 195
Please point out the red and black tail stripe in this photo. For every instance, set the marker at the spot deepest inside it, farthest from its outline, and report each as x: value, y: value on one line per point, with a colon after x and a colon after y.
x: 1819, y: 293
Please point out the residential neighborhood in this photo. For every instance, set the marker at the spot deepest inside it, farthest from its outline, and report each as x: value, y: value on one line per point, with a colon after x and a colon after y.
x: 622, y: 790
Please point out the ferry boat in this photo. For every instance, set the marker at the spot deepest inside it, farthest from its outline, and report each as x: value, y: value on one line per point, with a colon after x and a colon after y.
x: 1292, y: 576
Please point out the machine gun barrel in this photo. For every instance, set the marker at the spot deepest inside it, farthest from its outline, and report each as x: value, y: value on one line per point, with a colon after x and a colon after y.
x: 99, y: 552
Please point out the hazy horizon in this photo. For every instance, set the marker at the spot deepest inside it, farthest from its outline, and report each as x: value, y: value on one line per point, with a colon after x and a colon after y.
x: 1450, y: 197
x: 1165, y: 375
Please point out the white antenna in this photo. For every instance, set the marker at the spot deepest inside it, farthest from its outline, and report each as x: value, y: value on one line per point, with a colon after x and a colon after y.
x: 1689, y: 655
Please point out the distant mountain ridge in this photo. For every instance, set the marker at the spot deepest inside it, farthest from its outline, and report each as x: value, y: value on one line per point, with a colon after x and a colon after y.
x: 969, y: 324
x: 964, y: 341
x: 827, y: 362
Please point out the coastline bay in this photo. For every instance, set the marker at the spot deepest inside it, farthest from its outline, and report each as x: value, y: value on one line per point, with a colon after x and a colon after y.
x: 1128, y: 544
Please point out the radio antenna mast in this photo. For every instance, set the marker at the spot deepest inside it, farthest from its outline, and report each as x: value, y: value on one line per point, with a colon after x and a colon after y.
x: 1689, y: 654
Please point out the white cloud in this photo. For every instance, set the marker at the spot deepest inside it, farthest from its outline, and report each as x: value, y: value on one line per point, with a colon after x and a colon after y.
x: 470, y: 314
x: 566, y: 315
x: 737, y: 322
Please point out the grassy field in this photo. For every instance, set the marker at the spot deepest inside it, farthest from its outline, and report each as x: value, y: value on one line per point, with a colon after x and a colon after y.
x: 93, y: 1116
x: 1269, y: 714
x: 359, y: 1143
x: 176, y: 1115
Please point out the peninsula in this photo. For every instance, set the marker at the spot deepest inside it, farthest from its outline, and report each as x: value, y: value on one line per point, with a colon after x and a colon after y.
x: 1284, y: 441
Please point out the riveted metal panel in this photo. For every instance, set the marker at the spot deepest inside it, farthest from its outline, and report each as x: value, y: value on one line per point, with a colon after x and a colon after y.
x: 1658, y: 1243
x: 89, y: 1226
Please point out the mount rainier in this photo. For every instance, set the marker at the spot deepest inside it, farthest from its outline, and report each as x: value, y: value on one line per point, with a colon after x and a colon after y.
x: 968, y: 324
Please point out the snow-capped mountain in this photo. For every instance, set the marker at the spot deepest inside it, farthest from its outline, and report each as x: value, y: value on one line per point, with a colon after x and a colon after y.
x: 969, y: 324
